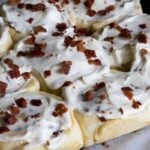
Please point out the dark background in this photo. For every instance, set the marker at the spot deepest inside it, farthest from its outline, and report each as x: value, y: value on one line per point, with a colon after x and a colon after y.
x: 146, y: 6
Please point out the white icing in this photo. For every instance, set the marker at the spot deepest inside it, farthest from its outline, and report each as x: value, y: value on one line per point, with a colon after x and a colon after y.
x: 17, y: 18
x: 80, y: 66
x: 14, y: 84
x: 36, y: 131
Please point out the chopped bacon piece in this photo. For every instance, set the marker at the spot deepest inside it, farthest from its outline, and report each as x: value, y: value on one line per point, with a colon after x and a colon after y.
x: 26, y: 75
x: 65, y: 68
x: 30, y: 20
x: 142, y: 38
x: 60, y: 109
x: 67, y: 83
x: 36, y: 7
x: 91, y: 12
x: 21, y: 102
x: 36, y: 102
x: 95, y: 62
x: 99, y: 86
x: 3, y: 87
x: 125, y: 33
x: 61, y: 27
x: 47, y: 73
x: 30, y: 40
x: 88, y: 96
x: 77, y: 2
x: 36, y: 115
x: 102, y: 119
x: 88, y: 3
x: 136, y: 104
x: 110, y: 9
x: 14, y: 73
x: 10, y: 119
x: 142, y: 26
x: 3, y: 129
x: 21, y: 5
x: 128, y: 92
x: 89, y: 53
x: 14, y: 110
x: 56, y: 133
x: 39, y: 29
x: 68, y: 41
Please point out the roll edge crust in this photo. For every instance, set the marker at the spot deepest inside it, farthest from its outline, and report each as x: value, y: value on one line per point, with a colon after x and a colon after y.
x: 95, y: 131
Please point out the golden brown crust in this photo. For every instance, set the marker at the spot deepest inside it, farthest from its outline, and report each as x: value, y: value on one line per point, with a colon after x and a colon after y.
x: 95, y: 131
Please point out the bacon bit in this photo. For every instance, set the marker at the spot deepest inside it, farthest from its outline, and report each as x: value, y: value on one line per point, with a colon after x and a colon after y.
x: 36, y: 115
x: 99, y: 86
x: 61, y: 27
x: 89, y: 53
x: 15, y: 73
x: 125, y: 33
x: 26, y: 119
x: 83, y: 31
x: 21, y: 102
x: 68, y: 41
x: 36, y: 102
x: 136, y: 104
x: 88, y: 96
x: 88, y: 3
x: 21, y: 5
x: 60, y: 109
x: 109, y: 39
x: 8, y: 61
x: 79, y: 44
x: 3, y: 129
x: 39, y: 46
x: 67, y: 83
x: 102, y: 97
x: 26, y: 75
x: 14, y: 2
x: 47, y: 73
x: 65, y: 68
x: 95, y: 62
x: 76, y: 2
x: 10, y: 119
x: 102, y: 12
x: 142, y: 26
x: 36, y: 53
x: 39, y: 29
x: 3, y: 87
x: 36, y: 7
x: 14, y: 110
x: 121, y: 111
x: 30, y: 41
x: 30, y: 20
x: 110, y: 9
x: 55, y: 134
x: 91, y: 12
x: 127, y: 91
x: 143, y: 52
x: 102, y: 119
x: 142, y: 38
x: 57, y: 33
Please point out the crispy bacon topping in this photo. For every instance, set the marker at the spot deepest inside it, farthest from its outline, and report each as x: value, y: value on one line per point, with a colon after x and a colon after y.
x: 36, y: 7
x: 3, y: 87
x: 14, y: 73
x: 65, y: 67
x: 61, y: 27
x: 128, y: 92
x: 67, y: 83
x: 88, y: 96
x: 3, y: 129
x: 99, y: 86
x: 95, y: 62
x: 21, y: 102
x: 47, y: 73
x: 26, y: 75
x: 142, y: 38
x: 88, y: 3
x: 14, y: 110
x: 60, y: 109
x: 39, y: 29
x: 91, y: 12
x: 89, y: 53
x: 36, y: 102
x: 30, y: 40
x: 136, y: 104
x: 102, y: 119
x: 142, y: 26
x: 10, y: 119
x: 37, y: 115
x: 107, y: 10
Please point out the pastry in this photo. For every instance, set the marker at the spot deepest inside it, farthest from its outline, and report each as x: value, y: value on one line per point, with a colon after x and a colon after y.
x: 37, y: 121
x: 5, y: 38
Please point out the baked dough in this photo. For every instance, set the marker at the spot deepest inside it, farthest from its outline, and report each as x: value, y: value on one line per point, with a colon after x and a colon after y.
x: 60, y: 128
x: 5, y: 38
